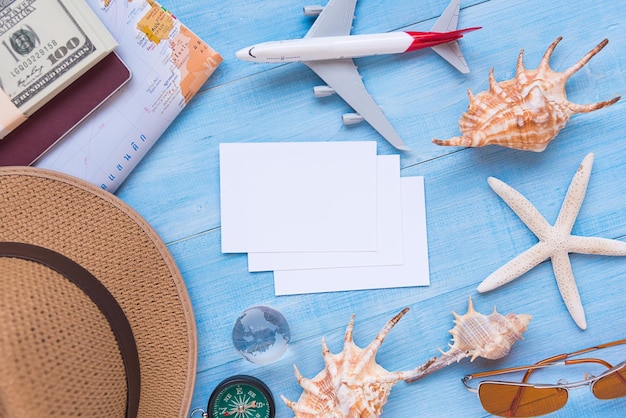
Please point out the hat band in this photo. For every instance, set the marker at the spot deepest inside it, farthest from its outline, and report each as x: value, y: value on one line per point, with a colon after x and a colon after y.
x: 105, y: 301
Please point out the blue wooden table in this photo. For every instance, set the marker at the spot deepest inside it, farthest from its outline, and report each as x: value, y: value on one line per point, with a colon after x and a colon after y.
x: 471, y: 231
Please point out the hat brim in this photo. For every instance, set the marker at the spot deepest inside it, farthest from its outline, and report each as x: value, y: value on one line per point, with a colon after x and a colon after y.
x: 113, y: 242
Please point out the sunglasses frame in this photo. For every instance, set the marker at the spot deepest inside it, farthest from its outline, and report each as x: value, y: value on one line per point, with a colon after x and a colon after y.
x: 558, y: 360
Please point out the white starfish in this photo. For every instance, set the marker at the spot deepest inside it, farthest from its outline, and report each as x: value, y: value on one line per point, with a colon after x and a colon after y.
x: 555, y: 242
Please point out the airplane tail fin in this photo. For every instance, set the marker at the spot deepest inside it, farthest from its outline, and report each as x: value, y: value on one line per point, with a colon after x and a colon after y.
x: 450, y: 51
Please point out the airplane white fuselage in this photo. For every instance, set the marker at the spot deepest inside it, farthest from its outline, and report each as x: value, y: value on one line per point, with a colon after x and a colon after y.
x: 327, y: 48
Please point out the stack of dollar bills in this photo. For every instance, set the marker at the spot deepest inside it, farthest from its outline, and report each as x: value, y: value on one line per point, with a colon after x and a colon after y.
x: 44, y: 46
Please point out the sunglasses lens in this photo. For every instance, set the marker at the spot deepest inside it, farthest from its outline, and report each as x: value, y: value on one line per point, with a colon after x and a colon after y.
x: 507, y: 400
x: 611, y: 386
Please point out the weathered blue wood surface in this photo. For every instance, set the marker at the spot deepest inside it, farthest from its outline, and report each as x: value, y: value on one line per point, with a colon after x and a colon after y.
x: 471, y: 231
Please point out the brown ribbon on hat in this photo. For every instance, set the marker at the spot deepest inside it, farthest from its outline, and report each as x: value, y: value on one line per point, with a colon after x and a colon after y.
x: 105, y: 301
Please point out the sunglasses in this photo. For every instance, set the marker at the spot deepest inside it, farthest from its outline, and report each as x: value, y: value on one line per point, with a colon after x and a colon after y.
x: 511, y: 399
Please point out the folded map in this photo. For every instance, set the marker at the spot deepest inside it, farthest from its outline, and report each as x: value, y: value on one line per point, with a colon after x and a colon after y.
x: 169, y: 65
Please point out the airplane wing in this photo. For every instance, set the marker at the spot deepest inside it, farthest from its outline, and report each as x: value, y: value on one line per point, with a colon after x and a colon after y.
x: 449, y: 18
x: 344, y: 78
x: 450, y: 51
x: 335, y: 19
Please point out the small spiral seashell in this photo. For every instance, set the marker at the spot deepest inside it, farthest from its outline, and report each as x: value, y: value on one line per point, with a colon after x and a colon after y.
x: 476, y: 335
x: 526, y: 112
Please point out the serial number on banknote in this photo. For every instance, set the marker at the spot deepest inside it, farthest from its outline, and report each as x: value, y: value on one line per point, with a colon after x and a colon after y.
x: 51, y: 51
x: 26, y: 63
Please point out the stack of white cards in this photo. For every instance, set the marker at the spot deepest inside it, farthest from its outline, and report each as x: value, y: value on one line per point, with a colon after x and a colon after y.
x: 324, y: 217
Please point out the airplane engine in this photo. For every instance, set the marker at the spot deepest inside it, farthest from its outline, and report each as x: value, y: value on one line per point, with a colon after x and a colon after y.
x: 351, y: 118
x: 323, y: 91
x: 313, y: 10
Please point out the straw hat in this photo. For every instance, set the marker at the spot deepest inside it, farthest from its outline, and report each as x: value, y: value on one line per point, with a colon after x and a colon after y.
x: 93, y: 310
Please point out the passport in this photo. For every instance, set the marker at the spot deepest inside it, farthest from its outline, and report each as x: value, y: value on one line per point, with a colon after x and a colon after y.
x: 26, y: 143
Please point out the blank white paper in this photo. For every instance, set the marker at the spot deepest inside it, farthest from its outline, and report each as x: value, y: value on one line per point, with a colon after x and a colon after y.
x: 389, y: 236
x: 413, y: 272
x: 298, y: 196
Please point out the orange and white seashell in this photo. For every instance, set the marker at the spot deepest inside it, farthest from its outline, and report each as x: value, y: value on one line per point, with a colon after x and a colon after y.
x: 526, y: 112
x: 476, y: 335
x: 352, y: 384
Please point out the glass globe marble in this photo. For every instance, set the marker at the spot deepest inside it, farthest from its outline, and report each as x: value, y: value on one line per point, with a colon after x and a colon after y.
x: 261, y: 334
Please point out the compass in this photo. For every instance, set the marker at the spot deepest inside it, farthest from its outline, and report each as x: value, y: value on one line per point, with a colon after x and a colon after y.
x: 241, y: 396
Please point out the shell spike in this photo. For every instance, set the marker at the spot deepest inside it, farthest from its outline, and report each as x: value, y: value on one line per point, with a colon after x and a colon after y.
x: 544, y: 64
x: 577, y: 108
x: 425, y: 369
x: 297, y: 373
x: 295, y: 407
x: 349, y: 329
x: 305, y: 383
x: 461, y: 141
x: 584, y: 60
x: 435, y: 363
x: 302, y: 381
x: 328, y: 357
x: 373, y: 347
x: 519, y: 68
x: 470, y: 306
x: 493, y: 84
x: 325, y: 349
x: 288, y: 402
x: 388, y: 326
x: 471, y: 100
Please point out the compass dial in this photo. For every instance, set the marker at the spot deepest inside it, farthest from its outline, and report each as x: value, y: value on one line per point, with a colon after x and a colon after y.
x: 241, y: 397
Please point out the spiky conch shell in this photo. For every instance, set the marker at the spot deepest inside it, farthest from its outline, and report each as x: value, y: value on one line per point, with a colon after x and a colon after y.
x: 476, y: 335
x: 526, y: 112
x: 352, y: 384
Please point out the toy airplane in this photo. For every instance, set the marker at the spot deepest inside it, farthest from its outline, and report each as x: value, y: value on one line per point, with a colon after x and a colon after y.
x: 328, y: 49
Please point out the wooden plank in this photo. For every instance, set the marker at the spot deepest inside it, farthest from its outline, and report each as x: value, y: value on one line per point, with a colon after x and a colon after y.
x: 471, y: 231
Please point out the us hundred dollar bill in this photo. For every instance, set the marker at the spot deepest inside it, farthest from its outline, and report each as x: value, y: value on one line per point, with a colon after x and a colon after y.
x: 45, y: 45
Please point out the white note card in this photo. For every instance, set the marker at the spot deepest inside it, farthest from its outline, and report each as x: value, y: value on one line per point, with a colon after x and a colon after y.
x: 389, y: 232
x: 298, y: 196
x: 413, y: 272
